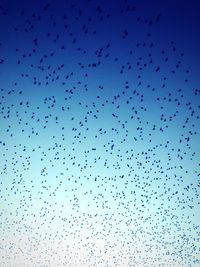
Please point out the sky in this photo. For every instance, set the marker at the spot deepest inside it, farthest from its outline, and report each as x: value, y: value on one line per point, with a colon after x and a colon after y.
x: 99, y: 133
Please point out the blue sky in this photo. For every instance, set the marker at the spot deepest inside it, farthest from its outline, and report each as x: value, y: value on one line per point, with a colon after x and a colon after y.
x: 99, y: 133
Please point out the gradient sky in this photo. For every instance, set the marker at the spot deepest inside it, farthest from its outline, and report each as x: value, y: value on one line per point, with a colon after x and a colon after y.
x: 99, y: 133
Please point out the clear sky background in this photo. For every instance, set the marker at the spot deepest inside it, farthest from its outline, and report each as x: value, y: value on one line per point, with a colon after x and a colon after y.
x: 99, y: 133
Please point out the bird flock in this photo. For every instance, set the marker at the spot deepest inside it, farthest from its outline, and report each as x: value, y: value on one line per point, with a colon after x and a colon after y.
x: 99, y: 137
